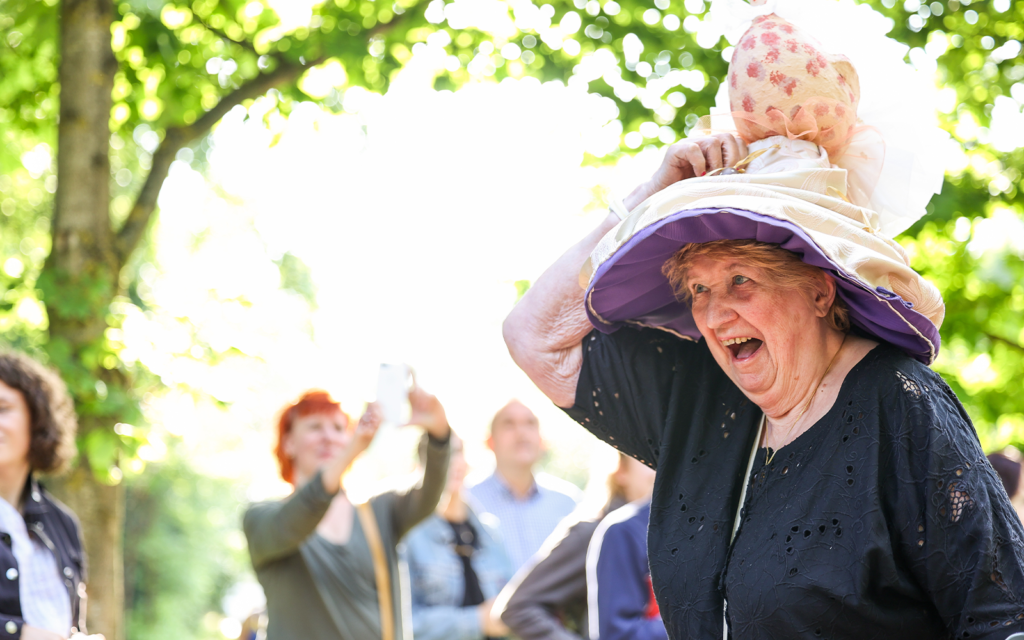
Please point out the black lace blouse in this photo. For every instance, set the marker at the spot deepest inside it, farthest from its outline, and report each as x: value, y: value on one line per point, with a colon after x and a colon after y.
x: 883, y: 520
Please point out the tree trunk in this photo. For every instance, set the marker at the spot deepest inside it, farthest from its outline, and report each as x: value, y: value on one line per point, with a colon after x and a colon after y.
x: 80, y: 277
x: 100, y: 510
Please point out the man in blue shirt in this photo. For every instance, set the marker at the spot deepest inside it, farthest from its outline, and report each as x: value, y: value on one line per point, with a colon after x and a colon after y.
x: 528, y: 506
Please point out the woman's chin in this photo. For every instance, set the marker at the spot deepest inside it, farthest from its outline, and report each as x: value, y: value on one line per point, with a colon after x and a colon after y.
x: 752, y: 382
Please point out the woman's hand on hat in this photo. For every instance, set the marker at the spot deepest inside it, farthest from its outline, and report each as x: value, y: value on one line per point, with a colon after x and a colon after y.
x: 690, y: 158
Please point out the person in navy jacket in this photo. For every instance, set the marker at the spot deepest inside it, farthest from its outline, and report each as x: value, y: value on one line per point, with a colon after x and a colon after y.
x: 619, y: 593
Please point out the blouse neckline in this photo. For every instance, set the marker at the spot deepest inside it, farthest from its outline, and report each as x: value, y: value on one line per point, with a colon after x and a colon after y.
x: 821, y: 424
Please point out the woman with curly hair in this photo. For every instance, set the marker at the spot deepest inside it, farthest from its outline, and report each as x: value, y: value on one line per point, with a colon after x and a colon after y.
x: 42, y: 565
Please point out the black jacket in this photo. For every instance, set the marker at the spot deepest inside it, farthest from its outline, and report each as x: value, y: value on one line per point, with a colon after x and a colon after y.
x: 57, y: 527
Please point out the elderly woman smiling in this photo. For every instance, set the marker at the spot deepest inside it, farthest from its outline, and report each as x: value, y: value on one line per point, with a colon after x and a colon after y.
x: 815, y: 479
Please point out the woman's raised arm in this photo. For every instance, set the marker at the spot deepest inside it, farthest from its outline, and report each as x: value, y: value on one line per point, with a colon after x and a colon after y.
x: 545, y: 330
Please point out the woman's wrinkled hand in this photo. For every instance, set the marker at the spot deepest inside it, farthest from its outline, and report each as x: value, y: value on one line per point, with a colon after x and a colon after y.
x: 690, y: 158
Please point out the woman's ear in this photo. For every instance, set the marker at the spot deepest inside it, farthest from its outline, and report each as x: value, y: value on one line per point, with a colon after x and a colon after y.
x: 824, y: 295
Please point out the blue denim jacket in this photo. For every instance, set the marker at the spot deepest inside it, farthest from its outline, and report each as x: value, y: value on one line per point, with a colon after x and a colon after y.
x: 436, y: 579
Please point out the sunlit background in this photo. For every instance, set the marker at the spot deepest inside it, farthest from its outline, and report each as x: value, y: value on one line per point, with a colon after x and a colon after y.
x: 304, y: 251
x: 415, y: 213
x: 409, y: 219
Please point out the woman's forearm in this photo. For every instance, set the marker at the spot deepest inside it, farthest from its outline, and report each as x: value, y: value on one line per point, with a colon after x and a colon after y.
x: 276, y: 529
x: 543, y: 332
x: 413, y: 506
x: 333, y: 471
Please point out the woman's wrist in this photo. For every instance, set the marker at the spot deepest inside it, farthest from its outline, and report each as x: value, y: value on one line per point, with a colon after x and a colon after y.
x: 439, y: 433
x: 330, y: 481
x: 617, y: 207
x: 638, y: 195
x: 332, y: 472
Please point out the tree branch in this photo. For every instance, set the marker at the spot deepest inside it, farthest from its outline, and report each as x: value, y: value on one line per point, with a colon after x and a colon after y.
x: 245, y: 44
x: 1010, y: 343
x: 383, y: 28
x: 175, y: 138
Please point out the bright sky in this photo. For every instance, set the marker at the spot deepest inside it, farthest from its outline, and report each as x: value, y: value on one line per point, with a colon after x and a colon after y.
x: 415, y: 222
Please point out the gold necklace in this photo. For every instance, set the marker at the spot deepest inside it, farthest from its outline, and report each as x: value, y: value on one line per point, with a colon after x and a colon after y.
x: 771, y: 454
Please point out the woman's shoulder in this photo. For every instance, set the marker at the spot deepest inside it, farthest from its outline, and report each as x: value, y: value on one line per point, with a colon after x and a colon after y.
x: 647, y: 357
x: 645, y: 339
x: 918, y: 412
x: 898, y: 376
x: 254, y: 511
x: 57, y: 510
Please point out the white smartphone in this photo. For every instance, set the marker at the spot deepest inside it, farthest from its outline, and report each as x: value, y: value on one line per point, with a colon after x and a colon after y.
x: 393, y: 384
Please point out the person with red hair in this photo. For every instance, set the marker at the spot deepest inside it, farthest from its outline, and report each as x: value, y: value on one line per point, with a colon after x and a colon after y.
x: 330, y: 568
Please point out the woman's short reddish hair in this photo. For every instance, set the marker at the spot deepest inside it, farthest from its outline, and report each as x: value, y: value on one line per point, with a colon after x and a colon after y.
x: 312, y: 402
x: 784, y: 267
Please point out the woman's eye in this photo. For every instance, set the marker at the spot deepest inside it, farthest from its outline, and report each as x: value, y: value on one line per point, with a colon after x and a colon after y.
x: 740, y: 279
x: 699, y: 288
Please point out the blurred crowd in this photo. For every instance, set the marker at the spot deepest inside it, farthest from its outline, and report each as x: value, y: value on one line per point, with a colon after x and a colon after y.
x: 517, y: 554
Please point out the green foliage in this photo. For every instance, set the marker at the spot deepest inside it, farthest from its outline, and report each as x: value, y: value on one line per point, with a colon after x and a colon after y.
x: 182, y: 547
x: 522, y: 286
x: 297, y: 278
x: 28, y: 68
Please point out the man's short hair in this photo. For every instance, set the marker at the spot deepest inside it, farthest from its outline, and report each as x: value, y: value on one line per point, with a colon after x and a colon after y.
x: 497, y: 414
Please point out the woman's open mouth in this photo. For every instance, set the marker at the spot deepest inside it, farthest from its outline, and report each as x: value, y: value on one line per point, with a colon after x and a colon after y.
x: 742, y: 348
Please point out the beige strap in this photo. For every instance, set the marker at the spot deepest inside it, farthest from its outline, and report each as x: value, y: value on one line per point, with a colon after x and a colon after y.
x: 380, y: 570
x: 739, y: 512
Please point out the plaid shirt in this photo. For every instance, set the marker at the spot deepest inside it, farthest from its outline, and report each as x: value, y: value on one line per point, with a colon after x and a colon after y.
x: 525, y: 523
x: 44, y: 597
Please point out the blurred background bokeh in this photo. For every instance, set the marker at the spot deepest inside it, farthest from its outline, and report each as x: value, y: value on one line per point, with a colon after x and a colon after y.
x: 295, y: 192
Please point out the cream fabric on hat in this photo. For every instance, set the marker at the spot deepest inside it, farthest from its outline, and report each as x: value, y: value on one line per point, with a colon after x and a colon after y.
x: 897, y: 156
x: 887, y: 298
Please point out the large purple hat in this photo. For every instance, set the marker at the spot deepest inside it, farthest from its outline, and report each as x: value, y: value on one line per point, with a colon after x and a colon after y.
x: 803, y: 210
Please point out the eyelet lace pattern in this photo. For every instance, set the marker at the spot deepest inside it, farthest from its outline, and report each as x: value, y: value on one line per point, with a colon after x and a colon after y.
x: 883, y: 520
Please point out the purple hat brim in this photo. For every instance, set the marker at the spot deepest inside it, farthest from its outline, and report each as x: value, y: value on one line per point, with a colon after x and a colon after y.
x: 629, y: 287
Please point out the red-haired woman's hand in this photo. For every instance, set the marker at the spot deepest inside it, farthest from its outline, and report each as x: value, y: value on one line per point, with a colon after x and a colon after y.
x: 365, y: 429
x: 690, y: 158
x: 428, y: 413
x: 362, y: 436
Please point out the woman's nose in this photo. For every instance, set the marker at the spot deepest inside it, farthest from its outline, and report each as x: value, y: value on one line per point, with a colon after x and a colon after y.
x: 718, y: 312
